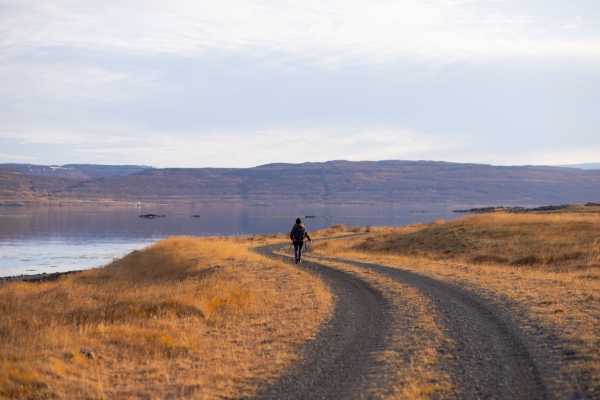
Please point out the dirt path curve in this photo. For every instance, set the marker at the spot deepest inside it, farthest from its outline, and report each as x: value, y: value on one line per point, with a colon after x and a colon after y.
x: 491, y: 357
x: 337, y: 363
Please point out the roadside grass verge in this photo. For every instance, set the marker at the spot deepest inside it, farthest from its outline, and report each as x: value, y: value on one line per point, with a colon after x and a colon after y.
x: 558, y: 286
x: 556, y: 242
x: 183, y: 318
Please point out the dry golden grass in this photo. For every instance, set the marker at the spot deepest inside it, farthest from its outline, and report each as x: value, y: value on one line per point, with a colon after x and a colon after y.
x: 556, y: 241
x: 558, y: 287
x: 184, y: 318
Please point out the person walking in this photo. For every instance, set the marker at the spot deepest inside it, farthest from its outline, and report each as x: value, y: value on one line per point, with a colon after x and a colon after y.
x: 298, y: 235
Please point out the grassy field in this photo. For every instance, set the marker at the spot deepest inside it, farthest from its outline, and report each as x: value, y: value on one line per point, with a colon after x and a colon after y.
x: 546, y: 264
x: 553, y: 242
x: 208, y: 318
x: 184, y: 318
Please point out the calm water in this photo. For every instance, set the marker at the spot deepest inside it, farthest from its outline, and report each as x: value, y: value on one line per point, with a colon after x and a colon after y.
x: 56, y: 239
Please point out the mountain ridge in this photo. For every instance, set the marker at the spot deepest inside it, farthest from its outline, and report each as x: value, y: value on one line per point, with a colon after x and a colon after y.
x: 332, y: 182
x: 581, y: 166
x: 75, y: 171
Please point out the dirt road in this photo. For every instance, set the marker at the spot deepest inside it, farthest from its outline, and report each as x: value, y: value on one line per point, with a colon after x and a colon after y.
x: 337, y: 364
x: 491, y: 356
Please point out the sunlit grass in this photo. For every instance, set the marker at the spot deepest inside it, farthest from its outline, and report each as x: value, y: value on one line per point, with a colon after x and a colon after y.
x: 183, y: 318
x: 557, y: 241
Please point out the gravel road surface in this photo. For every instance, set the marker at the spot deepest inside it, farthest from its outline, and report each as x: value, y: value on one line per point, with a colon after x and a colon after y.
x: 337, y: 364
x: 491, y: 357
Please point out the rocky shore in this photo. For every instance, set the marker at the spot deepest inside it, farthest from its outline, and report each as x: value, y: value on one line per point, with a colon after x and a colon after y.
x: 589, y: 207
x: 35, y: 278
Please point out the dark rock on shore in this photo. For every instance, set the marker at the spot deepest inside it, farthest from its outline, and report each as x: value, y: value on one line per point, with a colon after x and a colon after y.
x: 515, y: 209
x: 491, y: 210
x: 44, y: 277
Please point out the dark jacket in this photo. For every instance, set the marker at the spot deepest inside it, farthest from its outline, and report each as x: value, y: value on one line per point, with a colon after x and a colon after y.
x: 292, y: 233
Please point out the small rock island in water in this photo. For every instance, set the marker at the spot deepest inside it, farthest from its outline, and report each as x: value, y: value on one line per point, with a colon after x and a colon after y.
x: 152, y: 216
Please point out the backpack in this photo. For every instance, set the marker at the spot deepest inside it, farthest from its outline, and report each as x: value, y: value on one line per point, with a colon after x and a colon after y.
x: 298, y: 232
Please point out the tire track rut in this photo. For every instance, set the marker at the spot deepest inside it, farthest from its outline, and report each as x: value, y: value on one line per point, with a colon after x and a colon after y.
x: 337, y: 363
x: 489, y: 356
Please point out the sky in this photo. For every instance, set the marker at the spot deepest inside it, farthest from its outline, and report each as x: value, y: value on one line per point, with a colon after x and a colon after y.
x: 241, y: 83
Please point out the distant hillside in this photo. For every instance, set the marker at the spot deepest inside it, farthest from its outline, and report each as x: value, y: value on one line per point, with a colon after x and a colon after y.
x: 581, y: 166
x: 16, y: 188
x: 334, y: 182
x: 75, y: 171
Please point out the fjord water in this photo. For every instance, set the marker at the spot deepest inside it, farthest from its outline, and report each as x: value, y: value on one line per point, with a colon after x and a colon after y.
x: 36, y: 240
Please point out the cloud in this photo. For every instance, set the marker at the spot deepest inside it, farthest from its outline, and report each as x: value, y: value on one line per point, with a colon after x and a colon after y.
x: 577, y: 22
x: 326, y: 33
x: 186, y: 83
x: 67, y: 80
x: 543, y: 156
x: 251, y: 148
x: 5, y: 157
x: 61, y: 137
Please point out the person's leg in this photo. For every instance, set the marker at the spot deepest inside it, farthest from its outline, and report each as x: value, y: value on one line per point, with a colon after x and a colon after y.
x: 299, y: 257
x: 297, y: 250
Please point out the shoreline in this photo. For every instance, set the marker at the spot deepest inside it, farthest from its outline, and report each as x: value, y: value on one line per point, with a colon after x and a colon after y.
x: 590, y: 208
x: 43, y: 277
